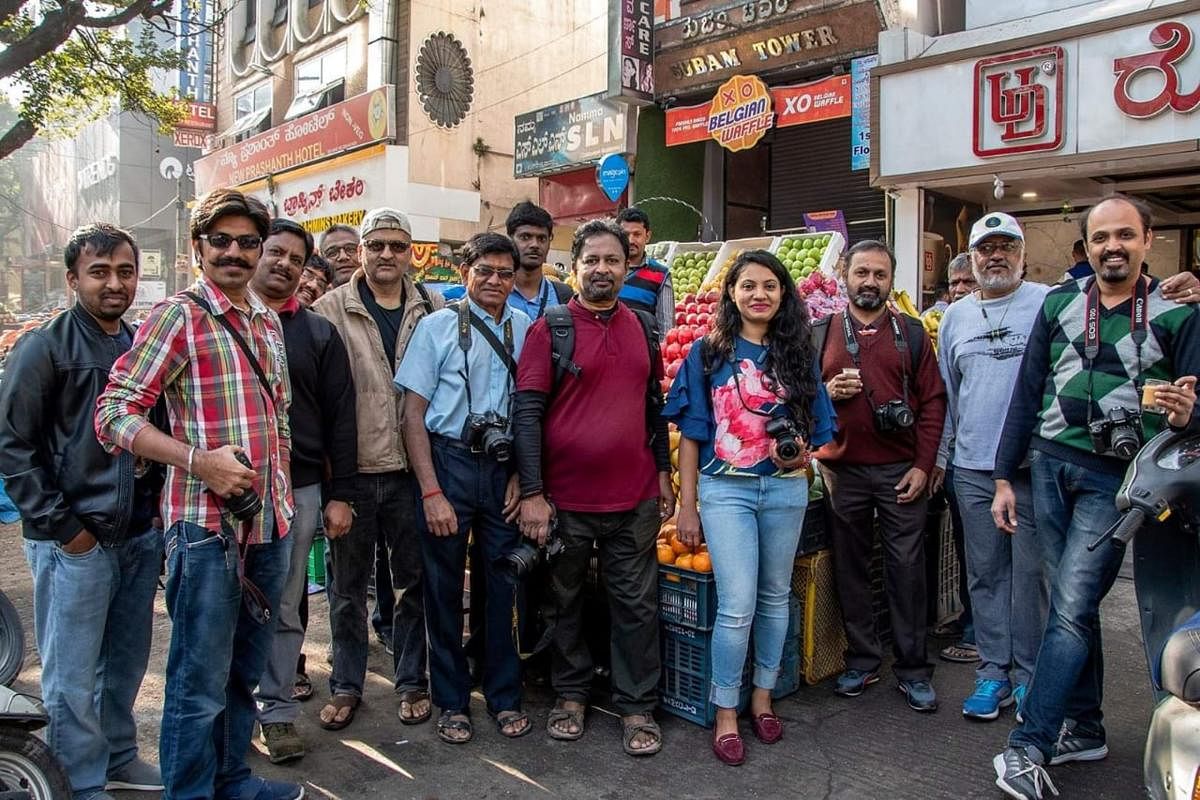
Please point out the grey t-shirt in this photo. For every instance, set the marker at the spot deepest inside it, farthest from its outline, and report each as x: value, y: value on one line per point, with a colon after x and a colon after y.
x: 980, y: 347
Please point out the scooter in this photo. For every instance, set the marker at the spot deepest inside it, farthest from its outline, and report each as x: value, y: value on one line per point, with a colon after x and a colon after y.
x: 1162, y: 485
x: 28, y: 769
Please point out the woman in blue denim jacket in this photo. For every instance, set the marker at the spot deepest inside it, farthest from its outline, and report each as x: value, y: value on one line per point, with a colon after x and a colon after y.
x: 750, y: 405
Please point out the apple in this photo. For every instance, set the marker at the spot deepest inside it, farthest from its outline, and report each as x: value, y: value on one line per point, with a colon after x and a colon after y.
x: 672, y: 369
x: 703, y: 319
x: 672, y: 336
x: 687, y: 348
x: 686, y: 334
x: 672, y: 350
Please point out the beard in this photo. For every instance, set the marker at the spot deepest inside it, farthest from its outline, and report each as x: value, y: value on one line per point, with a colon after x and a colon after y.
x: 602, y: 294
x: 996, y: 282
x: 1115, y: 273
x: 867, y: 299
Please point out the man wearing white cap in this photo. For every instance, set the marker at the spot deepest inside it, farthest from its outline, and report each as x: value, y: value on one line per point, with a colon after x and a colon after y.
x: 375, y: 314
x: 982, y: 339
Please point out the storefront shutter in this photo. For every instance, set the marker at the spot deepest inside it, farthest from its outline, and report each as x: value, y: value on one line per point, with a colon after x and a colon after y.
x: 810, y: 171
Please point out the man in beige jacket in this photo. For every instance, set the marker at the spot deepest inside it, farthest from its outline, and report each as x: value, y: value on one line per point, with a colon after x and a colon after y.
x: 375, y: 313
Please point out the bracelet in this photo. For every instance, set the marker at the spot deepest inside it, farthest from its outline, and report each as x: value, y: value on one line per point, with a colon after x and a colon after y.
x: 191, y: 455
x: 428, y: 495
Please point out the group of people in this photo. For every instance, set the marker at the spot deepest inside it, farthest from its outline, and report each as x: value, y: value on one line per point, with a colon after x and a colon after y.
x: 301, y: 387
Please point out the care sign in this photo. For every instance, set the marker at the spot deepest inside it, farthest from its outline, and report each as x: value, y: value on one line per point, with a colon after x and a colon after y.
x: 612, y: 175
x: 740, y: 113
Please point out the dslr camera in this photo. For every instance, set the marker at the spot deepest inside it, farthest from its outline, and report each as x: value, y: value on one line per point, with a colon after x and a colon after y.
x: 489, y: 433
x: 248, y: 504
x: 525, y: 556
x: 1118, y: 434
x: 786, y: 436
x: 894, y: 415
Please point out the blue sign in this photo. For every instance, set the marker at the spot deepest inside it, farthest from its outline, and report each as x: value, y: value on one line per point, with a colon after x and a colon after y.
x: 195, y: 40
x: 860, y: 111
x: 612, y: 173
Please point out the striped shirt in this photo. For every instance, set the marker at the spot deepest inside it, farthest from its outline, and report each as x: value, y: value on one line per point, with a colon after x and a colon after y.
x: 214, y: 398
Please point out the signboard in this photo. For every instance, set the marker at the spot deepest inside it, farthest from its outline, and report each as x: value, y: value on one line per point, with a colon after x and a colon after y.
x: 1096, y: 85
x: 341, y: 194
x: 567, y: 135
x: 430, y: 265
x: 829, y: 98
x: 740, y: 113
x: 631, y: 50
x: 687, y: 124
x: 200, y: 117
x: 363, y: 119
x: 151, y: 264
x: 194, y: 34
x: 860, y: 116
x: 195, y: 140
x: 828, y: 221
x: 813, y: 37
x: 148, y: 293
x: 700, y: 20
x: 612, y: 175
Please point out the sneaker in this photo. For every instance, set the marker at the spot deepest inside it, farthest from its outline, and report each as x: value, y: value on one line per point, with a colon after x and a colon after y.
x: 1071, y: 746
x: 852, y: 682
x: 1020, y: 774
x: 255, y: 788
x: 283, y: 742
x: 989, y: 697
x: 135, y: 776
x: 920, y: 695
x: 1019, y: 694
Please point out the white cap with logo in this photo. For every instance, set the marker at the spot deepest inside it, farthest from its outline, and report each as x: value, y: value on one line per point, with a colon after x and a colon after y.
x: 996, y: 224
x: 386, y: 219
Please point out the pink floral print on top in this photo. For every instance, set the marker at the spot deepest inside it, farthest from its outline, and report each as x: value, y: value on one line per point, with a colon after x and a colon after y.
x: 741, y: 439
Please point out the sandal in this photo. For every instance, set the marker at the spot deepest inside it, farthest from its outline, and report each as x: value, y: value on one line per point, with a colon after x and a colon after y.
x: 412, y: 697
x: 339, y: 702
x: 630, y: 729
x: 961, y: 653
x: 562, y: 714
x: 302, y: 689
x: 446, y: 722
x: 506, y: 719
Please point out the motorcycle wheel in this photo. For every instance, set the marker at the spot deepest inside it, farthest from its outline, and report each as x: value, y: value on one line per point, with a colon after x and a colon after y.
x: 27, y: 765
x: 12, y: 642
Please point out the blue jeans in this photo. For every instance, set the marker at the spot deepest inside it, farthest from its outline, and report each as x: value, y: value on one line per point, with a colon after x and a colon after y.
x: 93, y: 616
x: 1007, y: 583
x: 385, y: 506
x: 474, y: 485
x: 1074, y: 505
x: 218, y: 653
x: 752, y: 526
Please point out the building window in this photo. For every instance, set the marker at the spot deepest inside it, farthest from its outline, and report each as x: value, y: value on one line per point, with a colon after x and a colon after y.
x: 251, y: 112
x: 251, y: 21
x: 319, y: 82
x: 281, y: 10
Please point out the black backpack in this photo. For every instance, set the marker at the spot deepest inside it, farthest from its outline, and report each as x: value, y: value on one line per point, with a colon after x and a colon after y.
x: 562, y: 349
x: 916, y: 331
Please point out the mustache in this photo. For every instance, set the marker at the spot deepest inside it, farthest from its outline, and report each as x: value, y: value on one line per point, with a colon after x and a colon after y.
x: 233, y: 261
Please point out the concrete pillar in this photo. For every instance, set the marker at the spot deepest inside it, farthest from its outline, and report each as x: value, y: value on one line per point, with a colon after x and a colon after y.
x: 907, y: 223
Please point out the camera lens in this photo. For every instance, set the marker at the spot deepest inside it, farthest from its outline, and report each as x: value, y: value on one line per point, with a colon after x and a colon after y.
x: 520, y: 561
x: 788, y: 449
x: 904, y: 417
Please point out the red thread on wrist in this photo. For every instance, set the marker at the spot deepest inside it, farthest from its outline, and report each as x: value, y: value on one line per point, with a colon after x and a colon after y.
x: 428, y: 495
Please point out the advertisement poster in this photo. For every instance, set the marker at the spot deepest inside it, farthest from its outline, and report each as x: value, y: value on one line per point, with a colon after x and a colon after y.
x: 860, y: 118
x: 561, y: 137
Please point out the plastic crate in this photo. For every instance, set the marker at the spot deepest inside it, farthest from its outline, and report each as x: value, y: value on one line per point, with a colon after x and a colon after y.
x: 822, y: 638
x: 814, y: 535
x: 686, y: 678
x: 316, y: 561
x: 686, y: 597
x: 828, y: 263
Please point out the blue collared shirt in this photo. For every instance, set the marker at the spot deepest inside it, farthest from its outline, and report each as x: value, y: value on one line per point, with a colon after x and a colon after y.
x: 434, y: 367
x: 535, y: 308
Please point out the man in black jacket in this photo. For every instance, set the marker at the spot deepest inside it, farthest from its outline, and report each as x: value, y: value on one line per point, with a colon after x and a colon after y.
x: 324, y: 429
x: 87, y: 520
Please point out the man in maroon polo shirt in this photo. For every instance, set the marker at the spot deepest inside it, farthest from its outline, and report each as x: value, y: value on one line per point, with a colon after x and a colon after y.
x: 585, y: 456
x: 880, y: 371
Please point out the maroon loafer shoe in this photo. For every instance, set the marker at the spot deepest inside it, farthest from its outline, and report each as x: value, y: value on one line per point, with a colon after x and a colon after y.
x: 767, y: 727
x: 729, y: 749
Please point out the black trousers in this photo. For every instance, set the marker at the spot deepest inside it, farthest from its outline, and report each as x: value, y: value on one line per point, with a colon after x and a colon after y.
x: 629, y: 567
x: 856, y: 495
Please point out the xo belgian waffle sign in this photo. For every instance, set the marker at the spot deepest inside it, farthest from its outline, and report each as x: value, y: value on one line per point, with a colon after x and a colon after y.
x: 740, y: 113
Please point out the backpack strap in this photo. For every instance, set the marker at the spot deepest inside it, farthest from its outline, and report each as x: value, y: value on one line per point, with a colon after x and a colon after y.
x: 820, y: 332
x: 916, y: 331
x: 424, y: 297
x: 562, y: 343
x: 562, y: 291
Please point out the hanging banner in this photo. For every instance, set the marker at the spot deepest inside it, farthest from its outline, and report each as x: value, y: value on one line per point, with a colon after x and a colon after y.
x: 829, y: 98
x: 860, y: 117
x: 631, y: 51
x: 740, y: 113
x: 687, y: 124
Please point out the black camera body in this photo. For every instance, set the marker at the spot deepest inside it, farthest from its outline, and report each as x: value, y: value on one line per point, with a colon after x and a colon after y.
x: 786, y: 436
x: 893, y: 416
x: 525, y: 557
x: 1118, y: 434
x: 247, y: 505
x: 489, y: 433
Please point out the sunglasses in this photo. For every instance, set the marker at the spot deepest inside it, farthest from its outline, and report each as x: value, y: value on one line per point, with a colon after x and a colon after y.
x: 987, y: 248
x: 222, y: 241
x: 487, y: 272
x: 377, y: 246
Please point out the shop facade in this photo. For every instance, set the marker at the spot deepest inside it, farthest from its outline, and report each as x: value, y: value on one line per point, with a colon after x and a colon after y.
x: 1041, y: 126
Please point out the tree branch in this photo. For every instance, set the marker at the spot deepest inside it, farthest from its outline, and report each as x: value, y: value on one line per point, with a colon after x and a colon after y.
x: 15, y: 137
x: 138, y: 8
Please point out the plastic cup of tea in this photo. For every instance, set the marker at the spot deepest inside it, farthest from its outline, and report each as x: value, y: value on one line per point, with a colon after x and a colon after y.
x: 1150, y: 395
x: 851, y: 372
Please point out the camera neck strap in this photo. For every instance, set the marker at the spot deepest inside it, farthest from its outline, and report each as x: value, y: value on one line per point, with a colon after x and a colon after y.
x: 241, y: 342
x: 466, y: 321
x: 735, y: 362
x: 1139, y: 329
x: 852, y: 347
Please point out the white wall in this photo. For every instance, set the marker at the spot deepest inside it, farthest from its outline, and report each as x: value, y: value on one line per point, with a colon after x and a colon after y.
x: 989, y: 12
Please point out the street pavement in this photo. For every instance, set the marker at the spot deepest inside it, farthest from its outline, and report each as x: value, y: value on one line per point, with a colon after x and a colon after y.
x: 869, y: 748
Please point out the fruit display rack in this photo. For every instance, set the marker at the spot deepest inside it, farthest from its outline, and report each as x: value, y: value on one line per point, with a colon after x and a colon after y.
x: 829, y: 244
x: 728, y: 253
x: 685, y: 279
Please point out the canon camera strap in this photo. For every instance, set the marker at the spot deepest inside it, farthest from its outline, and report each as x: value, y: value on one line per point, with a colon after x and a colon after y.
x: 1139, y: 329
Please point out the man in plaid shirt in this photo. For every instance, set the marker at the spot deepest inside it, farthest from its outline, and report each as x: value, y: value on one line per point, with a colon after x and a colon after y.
x: 225, y: 398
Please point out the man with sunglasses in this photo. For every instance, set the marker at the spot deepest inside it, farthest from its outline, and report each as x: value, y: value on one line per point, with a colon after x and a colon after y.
x: 216, y: 353
x: 458, y: 379
x: 376, y: 313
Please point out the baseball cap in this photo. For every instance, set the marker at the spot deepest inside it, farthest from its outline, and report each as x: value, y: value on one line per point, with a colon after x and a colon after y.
x: 384, y: 219
x: 995, y: 224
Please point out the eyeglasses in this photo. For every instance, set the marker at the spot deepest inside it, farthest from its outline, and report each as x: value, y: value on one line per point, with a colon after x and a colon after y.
x: 335, y: 250
x: 222, y: 241
x: 1008, y: 247
x: 378, y: 245
x: 486, y: 272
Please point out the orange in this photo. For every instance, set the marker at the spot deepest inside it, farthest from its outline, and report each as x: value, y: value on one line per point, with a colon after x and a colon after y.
x: 701, y: 562
x: 665, y: 554
x: 679, y: 547
x: 685, y: 561
x: 668, y: 530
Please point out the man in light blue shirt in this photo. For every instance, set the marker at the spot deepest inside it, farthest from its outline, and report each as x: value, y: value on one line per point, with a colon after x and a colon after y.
x: 458, y: 377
